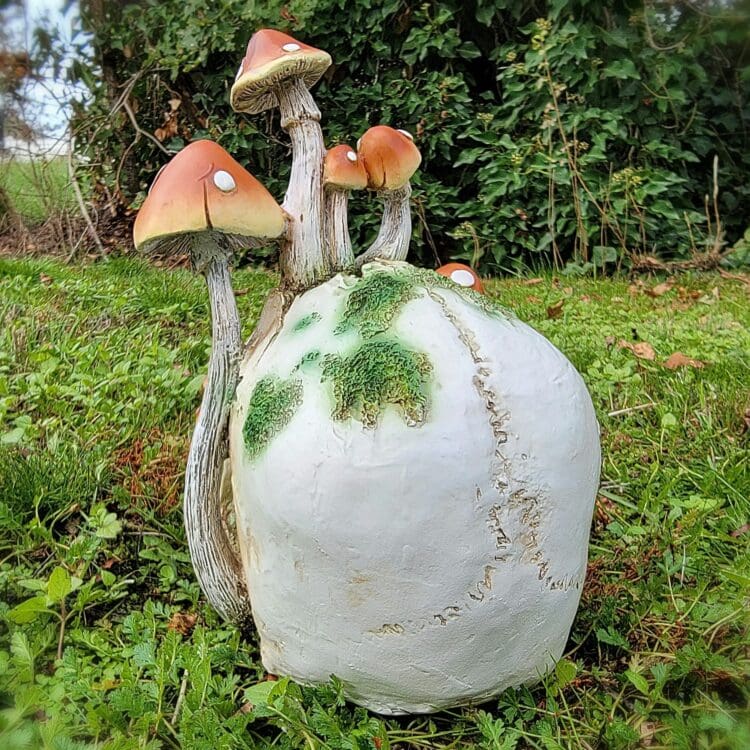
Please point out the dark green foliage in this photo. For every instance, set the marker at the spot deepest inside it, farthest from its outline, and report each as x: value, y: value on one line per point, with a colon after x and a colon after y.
x: 271, y: 407
x: 550, y: 131
x: 377, y: 374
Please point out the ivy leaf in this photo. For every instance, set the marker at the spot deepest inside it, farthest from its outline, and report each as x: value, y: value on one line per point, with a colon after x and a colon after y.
x: 485, y: 13
x: 622, y: 69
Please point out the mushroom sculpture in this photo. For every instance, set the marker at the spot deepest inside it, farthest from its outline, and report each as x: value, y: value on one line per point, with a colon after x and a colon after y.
x: 413, y: 469
x: 390, y: 158
x: 205, y: 203
x: 462, y: 275
x: 343, y: 171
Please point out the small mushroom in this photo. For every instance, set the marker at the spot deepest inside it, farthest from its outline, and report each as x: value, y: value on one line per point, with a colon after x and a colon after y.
x: 390, y: 158
x: 205, y: 203
x: 343, y: 171
x: 278, y: 70
x: 462, y: 275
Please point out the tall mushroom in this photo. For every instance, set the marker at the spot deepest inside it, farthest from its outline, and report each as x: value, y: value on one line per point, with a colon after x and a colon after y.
x: 277, y: 70
x: 343, y: 171
x: 390, y: 158
x: 205, y: 203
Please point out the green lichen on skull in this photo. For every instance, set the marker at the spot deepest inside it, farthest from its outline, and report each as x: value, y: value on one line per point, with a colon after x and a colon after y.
x: 378, y: 373
x: 271, y: 408
x: 306, y: 322
x: 375, y: 301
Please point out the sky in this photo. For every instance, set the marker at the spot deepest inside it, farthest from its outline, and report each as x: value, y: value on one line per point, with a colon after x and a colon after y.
x: 48, y: 98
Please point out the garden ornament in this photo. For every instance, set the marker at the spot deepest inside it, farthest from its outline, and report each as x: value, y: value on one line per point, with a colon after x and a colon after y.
x: 390, y: 158
x: 413, y: 470
x: 462, y: 275
x: 343, y: 171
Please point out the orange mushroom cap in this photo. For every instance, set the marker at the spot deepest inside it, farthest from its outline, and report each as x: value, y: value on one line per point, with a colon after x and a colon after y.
x: 390, y: 157
x: 204, y: 189
x: 462, y: 275
x: 273, y: 57
x: 344, y: 169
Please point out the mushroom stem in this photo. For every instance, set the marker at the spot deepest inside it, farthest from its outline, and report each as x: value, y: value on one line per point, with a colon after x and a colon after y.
x: 302, y: 257
x: 338, y: 242
x: 215, y: 561
x: 392, y: 242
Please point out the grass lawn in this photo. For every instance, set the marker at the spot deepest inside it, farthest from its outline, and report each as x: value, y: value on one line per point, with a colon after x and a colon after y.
x: 105, y: 641
x: 37, y: 188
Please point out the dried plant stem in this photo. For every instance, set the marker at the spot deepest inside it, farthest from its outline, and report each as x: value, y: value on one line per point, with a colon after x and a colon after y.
x: 82, y: 207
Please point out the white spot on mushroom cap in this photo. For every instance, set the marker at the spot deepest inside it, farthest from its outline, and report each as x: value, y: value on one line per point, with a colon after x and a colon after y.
x: 351, y: 156
x: 224, y: 181
x: 291, y: 47
x: 462, y: 277
x: 406, y: 133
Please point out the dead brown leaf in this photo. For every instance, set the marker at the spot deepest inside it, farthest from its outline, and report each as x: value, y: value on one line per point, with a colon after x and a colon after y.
x: 746, y: 420
x: 533, y: 299
x: 182, y: 622
x: 678, y: 359
x: 555, y: 311
x: 531, y: 282
x: 686, y: 294
x: 44, y: 279
x: 642, y: 350
x: 647, y: 730
x: 739, y: 532
x: 659, y: 289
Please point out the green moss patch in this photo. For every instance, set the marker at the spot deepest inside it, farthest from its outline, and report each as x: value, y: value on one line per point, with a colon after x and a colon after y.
x: 375, y: 301
x: 306, y: 322
x: 376, y: 374
x: 271, y: 408
x: 307, y: 359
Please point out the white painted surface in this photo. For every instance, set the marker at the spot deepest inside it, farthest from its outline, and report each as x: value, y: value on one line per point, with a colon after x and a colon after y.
x: 424, y: 566
x: 463, y: 277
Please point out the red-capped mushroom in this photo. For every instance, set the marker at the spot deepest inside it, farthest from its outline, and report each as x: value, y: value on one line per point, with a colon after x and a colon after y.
x: 203, y: 197
x: 279, y: 70
x: 205, y: 203
x: 390, y: 158
x: 343, y: 171
x: 462, y: 275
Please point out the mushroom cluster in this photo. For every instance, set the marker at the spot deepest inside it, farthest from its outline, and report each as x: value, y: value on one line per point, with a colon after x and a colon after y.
x: 412, y: 470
